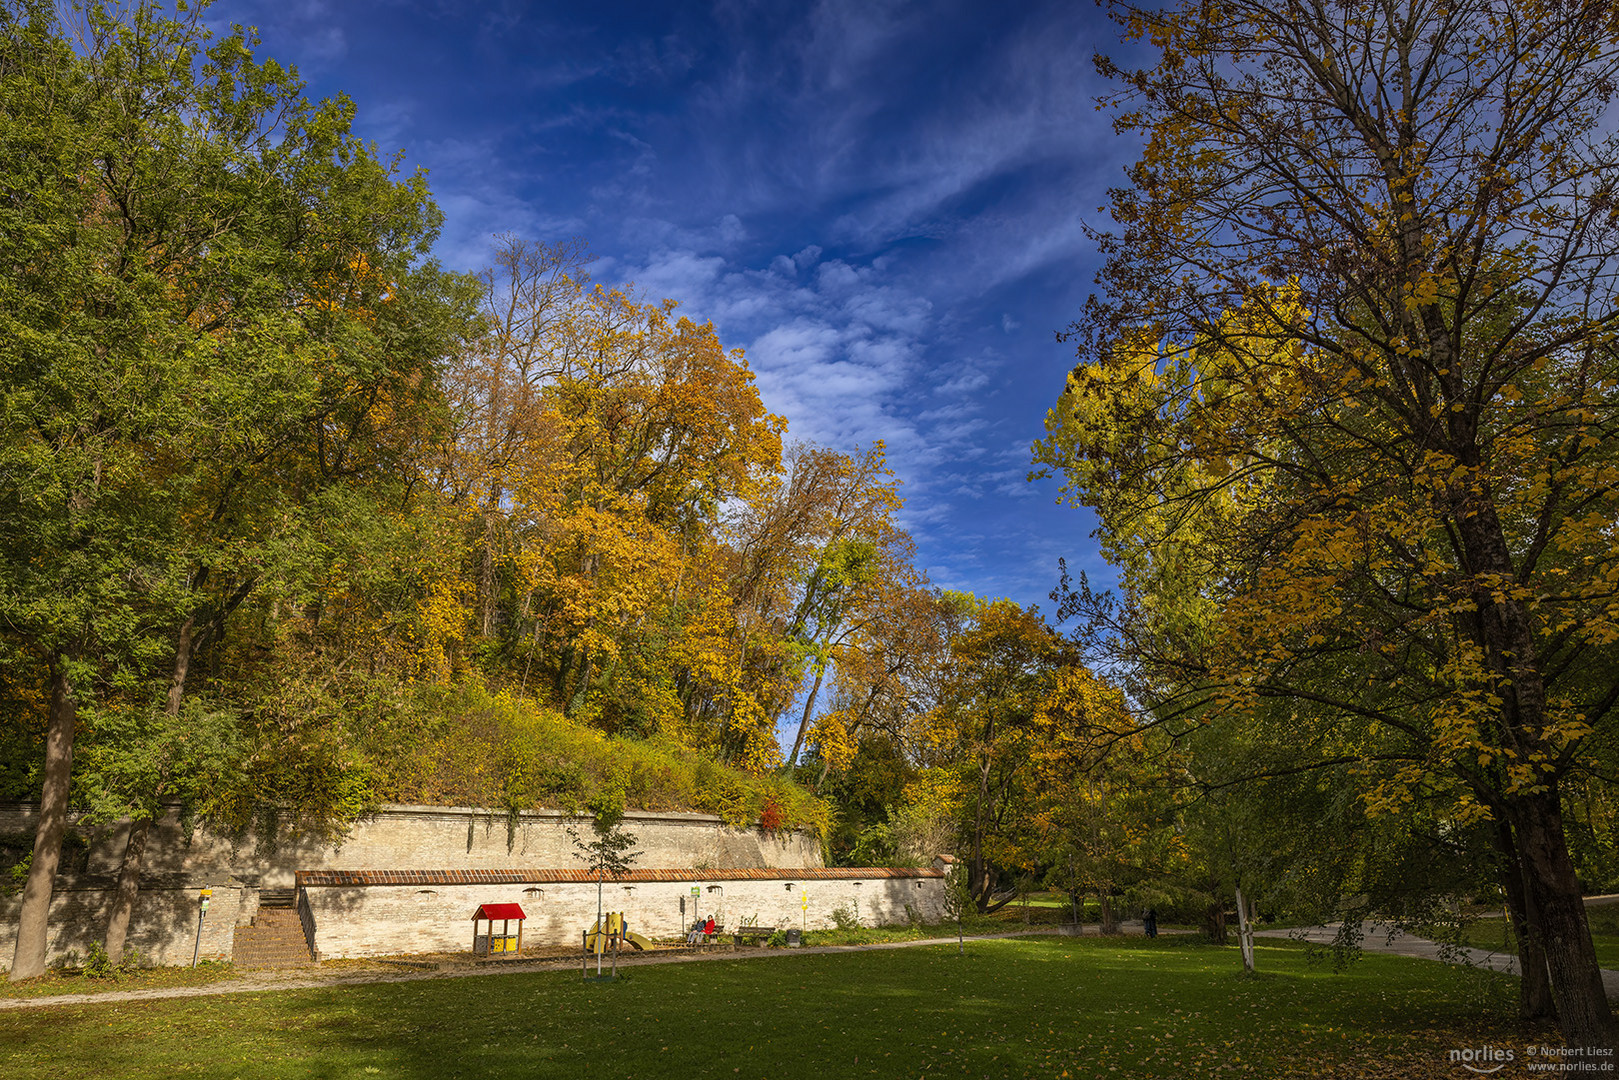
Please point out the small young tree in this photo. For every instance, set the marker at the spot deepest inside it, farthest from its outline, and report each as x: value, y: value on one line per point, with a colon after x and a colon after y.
x: 958, y: 897
x: 607, y: 853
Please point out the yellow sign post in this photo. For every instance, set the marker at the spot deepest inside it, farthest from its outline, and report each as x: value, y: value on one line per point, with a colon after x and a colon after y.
x: 202, y: 911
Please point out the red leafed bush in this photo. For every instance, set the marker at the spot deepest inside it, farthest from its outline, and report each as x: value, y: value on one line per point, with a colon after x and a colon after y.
x: 770, y: 818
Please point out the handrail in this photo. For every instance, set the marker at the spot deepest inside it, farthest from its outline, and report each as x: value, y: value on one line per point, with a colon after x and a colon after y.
x: 306, y: 918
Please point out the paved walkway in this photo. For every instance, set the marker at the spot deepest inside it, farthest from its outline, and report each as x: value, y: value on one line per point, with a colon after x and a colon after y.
x: 1382, y: 938
x: 299, y: 979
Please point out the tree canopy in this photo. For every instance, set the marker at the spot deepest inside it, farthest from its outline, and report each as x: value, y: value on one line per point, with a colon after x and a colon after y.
x: 1346, y: 408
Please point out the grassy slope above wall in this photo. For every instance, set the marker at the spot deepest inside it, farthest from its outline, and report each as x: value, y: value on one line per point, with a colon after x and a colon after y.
x: 470, y: 747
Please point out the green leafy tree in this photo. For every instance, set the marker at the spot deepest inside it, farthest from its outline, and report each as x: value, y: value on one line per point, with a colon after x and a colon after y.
x: 606, y: 852
x: 212, y: 310
x: 957, y: 899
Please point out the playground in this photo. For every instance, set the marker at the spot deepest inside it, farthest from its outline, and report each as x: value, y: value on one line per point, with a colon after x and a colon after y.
x: 1032, y: 1006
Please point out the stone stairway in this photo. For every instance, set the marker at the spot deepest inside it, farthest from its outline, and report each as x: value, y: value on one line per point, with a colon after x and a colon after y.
x: 276, y: 937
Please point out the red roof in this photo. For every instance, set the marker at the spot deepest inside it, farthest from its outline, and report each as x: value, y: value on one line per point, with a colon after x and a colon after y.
x: 499, y: 911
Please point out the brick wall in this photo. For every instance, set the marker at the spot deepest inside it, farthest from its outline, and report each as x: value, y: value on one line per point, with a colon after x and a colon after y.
x: 433, y: 915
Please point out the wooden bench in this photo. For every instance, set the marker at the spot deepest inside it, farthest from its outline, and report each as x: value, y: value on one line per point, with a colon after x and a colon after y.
x: 704, y: 941
x: 744, y: 934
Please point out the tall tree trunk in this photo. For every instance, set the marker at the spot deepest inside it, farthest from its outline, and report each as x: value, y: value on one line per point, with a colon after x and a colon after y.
x: 129, y: 868
x: 1583, y: 1012
x: 1110, y: 922
x: 1505, y: 630
x: 488, y: 569
x: 33, y: 921
x: 581, y: 684
x: 129, y: 887
x: 1534, y: 981
x: 978, y: 871
x: 809, y: 709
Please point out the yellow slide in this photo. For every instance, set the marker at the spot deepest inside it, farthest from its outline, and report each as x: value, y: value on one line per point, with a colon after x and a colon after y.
x: 600, y: 942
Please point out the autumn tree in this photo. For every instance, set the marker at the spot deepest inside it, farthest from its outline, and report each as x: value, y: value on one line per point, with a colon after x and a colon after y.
x: 991, y: 717
x: 891, y: 664
x: 1359, y: 310
x: 1105, y: 800
x: 503, y: 431
x: 812, y: 550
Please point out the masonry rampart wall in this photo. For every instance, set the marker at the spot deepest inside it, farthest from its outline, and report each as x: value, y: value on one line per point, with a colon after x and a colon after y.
x: 180, y: 863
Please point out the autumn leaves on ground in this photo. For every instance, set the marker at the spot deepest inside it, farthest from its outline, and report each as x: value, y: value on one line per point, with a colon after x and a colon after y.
x: 293, y: 522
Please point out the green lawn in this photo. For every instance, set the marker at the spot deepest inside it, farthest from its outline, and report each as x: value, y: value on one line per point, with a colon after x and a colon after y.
x: 1604, y: 920
x: 1047, y: 1007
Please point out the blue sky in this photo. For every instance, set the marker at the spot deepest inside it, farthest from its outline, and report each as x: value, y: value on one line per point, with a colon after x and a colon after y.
x: 882, y: 203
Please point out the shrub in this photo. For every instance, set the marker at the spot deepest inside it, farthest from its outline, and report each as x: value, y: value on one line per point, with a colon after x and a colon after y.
x: 97, y: 964
x: 844, y: 918
x: 770, y: 818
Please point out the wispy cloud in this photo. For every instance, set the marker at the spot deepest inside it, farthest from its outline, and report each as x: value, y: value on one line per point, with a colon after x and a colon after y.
x: 884, y: 203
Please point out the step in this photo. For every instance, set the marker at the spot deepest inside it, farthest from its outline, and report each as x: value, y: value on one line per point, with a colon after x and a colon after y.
x: 278, y: 917
x: 274, y: 939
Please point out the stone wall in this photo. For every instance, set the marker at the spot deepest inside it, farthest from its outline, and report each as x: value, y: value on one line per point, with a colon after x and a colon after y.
x: 178, y: 864
x: 431, y: 836
x: 380, y: 914
x: 163, y: 926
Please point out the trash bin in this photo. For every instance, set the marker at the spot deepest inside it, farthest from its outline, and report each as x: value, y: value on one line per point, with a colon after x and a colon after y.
x: 795, y: 938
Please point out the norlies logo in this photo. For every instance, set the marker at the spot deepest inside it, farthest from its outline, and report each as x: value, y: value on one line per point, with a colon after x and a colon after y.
x: 1482, y: 1059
